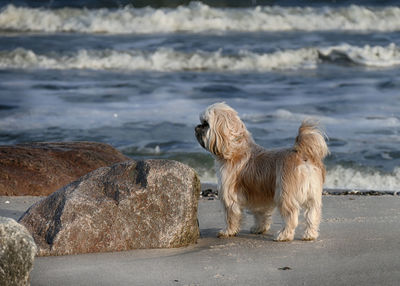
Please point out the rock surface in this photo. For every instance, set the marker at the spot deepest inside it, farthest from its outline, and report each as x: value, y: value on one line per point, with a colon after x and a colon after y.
x: 17, y: 253
x: 130, y: 205
x: 39, y: 169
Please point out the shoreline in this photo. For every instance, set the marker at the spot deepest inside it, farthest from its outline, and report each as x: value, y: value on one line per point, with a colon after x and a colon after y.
x: 210, y: 190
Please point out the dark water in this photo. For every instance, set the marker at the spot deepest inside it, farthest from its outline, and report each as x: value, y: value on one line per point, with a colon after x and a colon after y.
x: 136, y: 74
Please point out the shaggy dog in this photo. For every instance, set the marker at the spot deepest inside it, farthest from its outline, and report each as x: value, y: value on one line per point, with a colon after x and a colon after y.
x: 251, y: 177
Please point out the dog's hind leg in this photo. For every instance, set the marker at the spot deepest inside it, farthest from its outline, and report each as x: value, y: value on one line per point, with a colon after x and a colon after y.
x: 290, y: 215
x: 312, y: 215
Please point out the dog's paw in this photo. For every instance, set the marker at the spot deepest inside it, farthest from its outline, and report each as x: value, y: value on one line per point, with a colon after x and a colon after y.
x: 309, y: 237
x: 284, y: 236
x: 225, y: 234
x: 258, y: 230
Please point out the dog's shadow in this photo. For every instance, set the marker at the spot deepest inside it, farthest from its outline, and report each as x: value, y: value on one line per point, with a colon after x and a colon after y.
x: 246, y: 235
x: 212, y: 233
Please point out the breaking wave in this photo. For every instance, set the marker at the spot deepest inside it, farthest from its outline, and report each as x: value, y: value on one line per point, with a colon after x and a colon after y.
x: 165, y: 59
x: 370, y: 56
x: 197, y: 17
x: 341, y: 177
x: 159, y: 60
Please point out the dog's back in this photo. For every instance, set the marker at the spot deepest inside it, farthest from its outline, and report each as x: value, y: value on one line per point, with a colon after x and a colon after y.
x: 265, y: 170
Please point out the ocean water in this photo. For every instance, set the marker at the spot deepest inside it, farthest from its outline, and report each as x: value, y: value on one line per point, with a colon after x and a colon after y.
x: 136, y: 75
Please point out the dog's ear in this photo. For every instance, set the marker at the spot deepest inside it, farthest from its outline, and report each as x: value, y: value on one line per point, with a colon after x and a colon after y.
x: 228, y: 137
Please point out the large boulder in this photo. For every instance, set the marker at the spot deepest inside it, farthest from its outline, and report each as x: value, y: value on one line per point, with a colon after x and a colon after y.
x: 17, y: 253
x: 130, y: 205
x: 39, y: 169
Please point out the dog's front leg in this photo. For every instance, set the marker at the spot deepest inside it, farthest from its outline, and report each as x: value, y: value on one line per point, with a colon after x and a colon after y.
x: 233, y: 214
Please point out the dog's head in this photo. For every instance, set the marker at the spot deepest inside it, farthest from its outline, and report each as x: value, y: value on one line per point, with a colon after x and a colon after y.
x: 222, y: 132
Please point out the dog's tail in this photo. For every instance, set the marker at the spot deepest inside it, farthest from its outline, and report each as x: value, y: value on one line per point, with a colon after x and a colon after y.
x: 311, y: 141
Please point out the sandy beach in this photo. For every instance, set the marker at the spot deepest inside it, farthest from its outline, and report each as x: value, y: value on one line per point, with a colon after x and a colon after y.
x: 359, y: 245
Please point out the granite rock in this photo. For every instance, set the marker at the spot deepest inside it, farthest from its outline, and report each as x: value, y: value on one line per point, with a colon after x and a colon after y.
x: 17, y: 253
x: 39, y: 169
x: 129, y: 205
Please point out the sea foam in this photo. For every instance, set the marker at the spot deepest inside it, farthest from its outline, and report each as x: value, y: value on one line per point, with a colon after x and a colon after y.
x: 198, y: 17
x: 167, y: 59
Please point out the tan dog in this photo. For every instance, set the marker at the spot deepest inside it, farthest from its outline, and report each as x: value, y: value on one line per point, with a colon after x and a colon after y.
x: 259, y: 180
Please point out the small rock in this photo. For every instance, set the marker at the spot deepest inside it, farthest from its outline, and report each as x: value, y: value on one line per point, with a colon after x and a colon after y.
x: 17, y: 253
x: 209, y: 193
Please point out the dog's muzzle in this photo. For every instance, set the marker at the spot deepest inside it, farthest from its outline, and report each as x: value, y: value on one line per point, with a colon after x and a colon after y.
x: 199, y: 135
